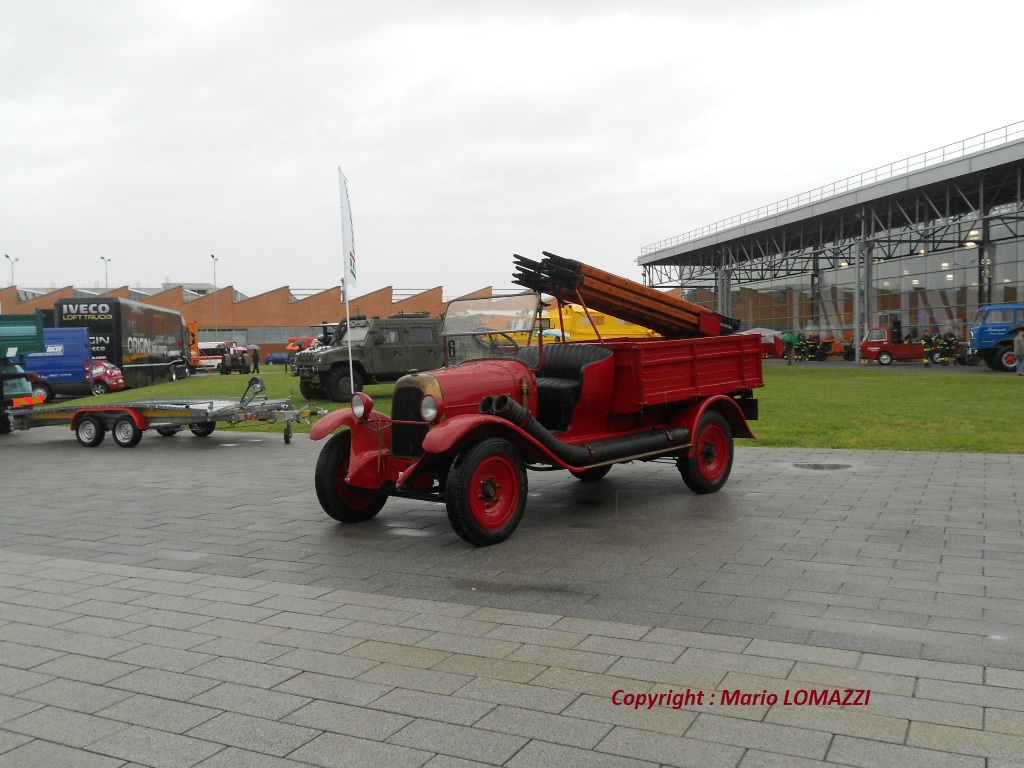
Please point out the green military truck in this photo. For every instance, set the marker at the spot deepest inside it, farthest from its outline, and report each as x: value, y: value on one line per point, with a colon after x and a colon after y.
x: 383, y: 349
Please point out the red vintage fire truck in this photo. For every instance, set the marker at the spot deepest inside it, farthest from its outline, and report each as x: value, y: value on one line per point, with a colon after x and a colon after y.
x: 505, y: 402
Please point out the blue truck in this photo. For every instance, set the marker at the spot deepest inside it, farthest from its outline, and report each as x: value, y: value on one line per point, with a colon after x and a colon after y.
x: 66, y: 366
x: 992, y: 334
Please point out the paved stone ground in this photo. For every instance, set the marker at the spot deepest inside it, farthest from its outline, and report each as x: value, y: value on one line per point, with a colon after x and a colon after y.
x: 186, y: 603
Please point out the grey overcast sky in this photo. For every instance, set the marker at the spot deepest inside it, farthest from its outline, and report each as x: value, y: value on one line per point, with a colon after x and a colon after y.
x: 158, y: 132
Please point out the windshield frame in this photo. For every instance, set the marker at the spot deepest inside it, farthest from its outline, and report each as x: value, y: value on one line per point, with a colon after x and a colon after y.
x: 502, y: 326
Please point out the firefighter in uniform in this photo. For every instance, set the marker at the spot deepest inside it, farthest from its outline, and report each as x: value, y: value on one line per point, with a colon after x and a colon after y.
x: 928, y: 344
x: 947, y: 348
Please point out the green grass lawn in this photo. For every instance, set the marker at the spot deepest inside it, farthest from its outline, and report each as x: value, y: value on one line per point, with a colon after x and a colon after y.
x: 890, y: 409
x: 811, y: 406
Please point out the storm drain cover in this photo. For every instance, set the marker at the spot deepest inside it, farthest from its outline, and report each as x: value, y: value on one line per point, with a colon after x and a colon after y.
x: 824, y: 467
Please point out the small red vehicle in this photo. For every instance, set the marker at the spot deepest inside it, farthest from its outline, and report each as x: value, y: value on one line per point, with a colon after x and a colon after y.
x: 505, y: 402
x: 880, y: 345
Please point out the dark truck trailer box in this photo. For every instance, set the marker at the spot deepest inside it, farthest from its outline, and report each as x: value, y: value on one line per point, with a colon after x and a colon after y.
x: 149, y: 344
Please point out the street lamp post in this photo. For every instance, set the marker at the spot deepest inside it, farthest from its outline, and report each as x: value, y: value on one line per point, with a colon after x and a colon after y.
x: 106, y: 276
x: 12, y: 267
x: 216, y: 320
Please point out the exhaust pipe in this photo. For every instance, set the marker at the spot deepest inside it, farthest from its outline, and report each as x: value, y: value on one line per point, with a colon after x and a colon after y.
x: 593, y: 453
x: 487, y: 405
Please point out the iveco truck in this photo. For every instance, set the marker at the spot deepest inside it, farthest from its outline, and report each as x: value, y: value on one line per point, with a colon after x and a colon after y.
x: 149, y: 344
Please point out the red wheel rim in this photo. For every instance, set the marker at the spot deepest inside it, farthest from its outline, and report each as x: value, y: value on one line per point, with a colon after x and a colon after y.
x: 713, y: 453
x: 494, y: 492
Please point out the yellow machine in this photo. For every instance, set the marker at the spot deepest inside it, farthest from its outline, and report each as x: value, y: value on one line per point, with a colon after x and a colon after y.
x: 578, y: 326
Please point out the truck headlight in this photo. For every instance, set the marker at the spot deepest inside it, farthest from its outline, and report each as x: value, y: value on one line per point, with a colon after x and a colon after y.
x: 361, y: 406
x: 430, y: 408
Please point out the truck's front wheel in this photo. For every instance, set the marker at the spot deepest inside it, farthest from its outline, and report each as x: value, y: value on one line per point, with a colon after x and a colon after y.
x: 308, y: 390
x: 340, y: 385
x: 486, y: 492
x: 341, y: 501
x: 708, y: 468
x: 885, y: 358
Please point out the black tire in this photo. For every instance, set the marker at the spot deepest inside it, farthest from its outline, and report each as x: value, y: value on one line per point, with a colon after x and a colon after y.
x: 339, y: 387
x: 821, y: 355
x: 5, y: 425
x: 203, y: 429
x: 849, y: 355
x: 41, y: 390
x: 89, y: 432
x: 1005, y: 359
x: 125, y: 432
x: 885, y: 358
x: 308, y: 390
x: 168, y: 431
x: 99, y: 388
x: 592, y: 475
x: 990, y: 362
x: 709, y: 467
x: 485, y: 493
x: 341, y: 501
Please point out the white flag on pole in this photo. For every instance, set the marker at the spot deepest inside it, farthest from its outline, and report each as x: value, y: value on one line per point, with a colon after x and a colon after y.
x: 347, y: 239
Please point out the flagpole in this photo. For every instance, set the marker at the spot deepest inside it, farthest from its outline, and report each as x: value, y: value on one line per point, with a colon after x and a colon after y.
x: 348, y: 281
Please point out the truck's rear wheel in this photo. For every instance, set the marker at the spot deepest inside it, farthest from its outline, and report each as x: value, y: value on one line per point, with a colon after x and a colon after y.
x: 203, y: 429
x: 341, y: 501
x: 708, y: 468
x: 42, y: 391
x: 1005, y: 359
x: 885, y: 358
x: 126, y: 434
x: 339, y: 385
x: 89, y: 432
x: 486, y: 492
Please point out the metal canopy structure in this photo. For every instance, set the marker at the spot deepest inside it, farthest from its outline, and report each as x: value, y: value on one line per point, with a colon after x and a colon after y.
x: 964, y: 197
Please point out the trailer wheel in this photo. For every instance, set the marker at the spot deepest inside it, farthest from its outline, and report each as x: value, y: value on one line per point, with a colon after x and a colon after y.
x: 486, y: 492
x: 89, y: 432
x: 885, y: 358
x: 709, y: 467
x: 341, y: 501
x: 592, y: 475
x: 203, y: 429
x: 168, y: 431
x: 126, y: 433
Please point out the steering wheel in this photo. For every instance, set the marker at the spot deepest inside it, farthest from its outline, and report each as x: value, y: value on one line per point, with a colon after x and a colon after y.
x: 507, y: 347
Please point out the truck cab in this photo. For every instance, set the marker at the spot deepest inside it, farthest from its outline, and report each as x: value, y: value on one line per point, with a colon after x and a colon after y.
x: 992, y: 333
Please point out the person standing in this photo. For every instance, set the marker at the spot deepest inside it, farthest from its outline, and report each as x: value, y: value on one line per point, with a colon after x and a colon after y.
x: 789, y: 338
x: 255, y: 359
x: 1018, y: 350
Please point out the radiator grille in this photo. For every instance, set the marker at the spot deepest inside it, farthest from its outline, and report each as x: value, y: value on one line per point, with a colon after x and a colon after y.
x: 407, y: 439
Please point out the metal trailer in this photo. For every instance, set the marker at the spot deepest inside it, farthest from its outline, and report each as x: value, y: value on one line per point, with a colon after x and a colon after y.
x: 127, y: 421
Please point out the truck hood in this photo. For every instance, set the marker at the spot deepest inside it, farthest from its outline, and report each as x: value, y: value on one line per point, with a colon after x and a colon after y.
x: 462, y: 387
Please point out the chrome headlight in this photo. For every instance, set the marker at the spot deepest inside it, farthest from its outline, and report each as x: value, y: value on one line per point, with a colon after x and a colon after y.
x: 361, y: 406
x: 430, y: 408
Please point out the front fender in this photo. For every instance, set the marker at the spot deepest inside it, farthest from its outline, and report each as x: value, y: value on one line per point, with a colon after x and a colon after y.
x: 343, y: 417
